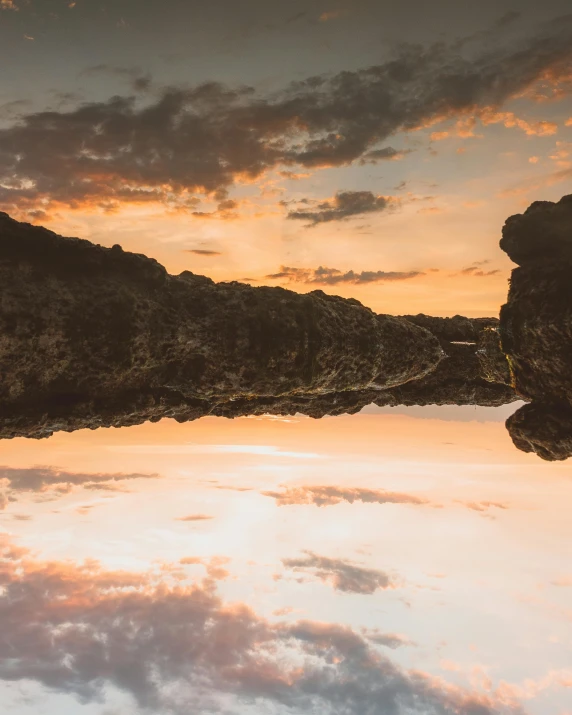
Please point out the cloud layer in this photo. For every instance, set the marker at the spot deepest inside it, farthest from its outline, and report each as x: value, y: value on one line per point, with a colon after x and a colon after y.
x: 176, y: 648
x: 333, y: 276
x: 205, y: 138
x: 330, y: 495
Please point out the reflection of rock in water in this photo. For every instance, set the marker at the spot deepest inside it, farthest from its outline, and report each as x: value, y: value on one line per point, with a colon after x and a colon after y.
x: 95, y: 337
x: 536, y: 326
x: 545, y: 429
x: 92, y: 336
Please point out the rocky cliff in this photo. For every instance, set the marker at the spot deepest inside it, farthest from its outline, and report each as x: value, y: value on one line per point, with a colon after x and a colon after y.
x: 93, y: 336
x: 536, y: 326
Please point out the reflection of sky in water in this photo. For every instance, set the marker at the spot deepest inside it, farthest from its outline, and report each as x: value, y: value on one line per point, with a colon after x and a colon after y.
x: 434, y: 540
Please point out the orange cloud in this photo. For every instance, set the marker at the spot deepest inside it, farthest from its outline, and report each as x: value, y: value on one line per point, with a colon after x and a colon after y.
x: 509, y: 120
x: 553, y: 84
x: 8, y: 5
x: 438, y: 136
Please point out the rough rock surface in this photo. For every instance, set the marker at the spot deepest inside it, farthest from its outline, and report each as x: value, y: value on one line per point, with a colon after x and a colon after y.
x: 94, y: 337
x: 543, y: 231
x: 536, y: 327
x: 545, y: 429
x: 82, y: 324
x: 457, y: 329
x: 536, y: 321
x: 456, y: 381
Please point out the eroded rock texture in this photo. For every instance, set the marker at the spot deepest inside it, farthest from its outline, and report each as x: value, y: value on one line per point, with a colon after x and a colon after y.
x: 94, y: 337
x: 81, y: 324
x: 542, y: 428
x: 536, y: 326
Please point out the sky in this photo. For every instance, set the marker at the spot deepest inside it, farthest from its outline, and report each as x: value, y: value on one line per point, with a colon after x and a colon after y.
x: 249, y: 564
x: 371, y: 149
x: 401, y: 561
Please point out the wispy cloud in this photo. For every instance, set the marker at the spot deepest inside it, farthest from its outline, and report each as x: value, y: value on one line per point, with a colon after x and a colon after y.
x: 42, y: 480
x: 330, y: 495
x: 476, y: 269
x: 195, y: 517
x: 203, y: 252
x: 333, y: 276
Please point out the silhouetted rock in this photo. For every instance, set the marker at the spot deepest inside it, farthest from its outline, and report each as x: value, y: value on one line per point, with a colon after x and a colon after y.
x: 543, y: 231
x: 536, y: 331
x: 457, y: 380
x: 545, y: 429
x: 536, y: 327
x: 80, y: 323
x: 536, y: 321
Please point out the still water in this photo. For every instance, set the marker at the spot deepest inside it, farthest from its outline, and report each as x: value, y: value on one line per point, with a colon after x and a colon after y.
x: 397, y: 561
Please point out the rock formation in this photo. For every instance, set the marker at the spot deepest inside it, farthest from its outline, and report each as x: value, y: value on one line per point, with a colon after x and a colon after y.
x: 536, y: 326
x: 91, y: 336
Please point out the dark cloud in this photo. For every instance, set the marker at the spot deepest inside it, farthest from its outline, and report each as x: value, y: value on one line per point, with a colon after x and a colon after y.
x: 202, y: 139
x: 203, y: 252
x: 341, y: 574
x: 328, y: 496
x: 14, y: 481
x: 333, y: 276
x: 177, y: 648
x: 344, y: 205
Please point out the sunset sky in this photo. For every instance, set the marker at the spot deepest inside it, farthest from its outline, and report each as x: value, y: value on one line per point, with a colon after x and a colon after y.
x: 386, y: 142
x: 400, y: 561
x: 421, y: 530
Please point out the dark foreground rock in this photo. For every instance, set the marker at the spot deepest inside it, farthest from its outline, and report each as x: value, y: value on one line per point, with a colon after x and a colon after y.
x: 94, y: 337
x: 81, y: 322
x: 536, y: 326
x: 455, y: 381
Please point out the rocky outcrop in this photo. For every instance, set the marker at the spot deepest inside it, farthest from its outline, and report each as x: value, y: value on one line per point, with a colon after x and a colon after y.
x: 79, y: 323
x: 543, y: 231
x: 542, y: 428
x: 455, y: 381
x: 92, y: 337
x: 536, y: 326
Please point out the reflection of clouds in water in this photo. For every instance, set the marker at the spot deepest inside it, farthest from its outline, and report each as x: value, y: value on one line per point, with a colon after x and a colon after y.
x: 343, y: 575
x: 175, y: 645
x: 330, y: 495
x: 54, y: 482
